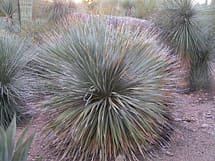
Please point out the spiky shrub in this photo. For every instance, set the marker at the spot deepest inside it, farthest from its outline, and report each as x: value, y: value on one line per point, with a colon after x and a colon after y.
x: 110, y: 90
x: 11, y: 151
x: 138, y: 8
x: 8, y: 7
x: 145, y: 9
x: 103, y: 7
x: 15, y: 54
x: 185, y: 27
x: 58, y: 9
x: 128, y: 6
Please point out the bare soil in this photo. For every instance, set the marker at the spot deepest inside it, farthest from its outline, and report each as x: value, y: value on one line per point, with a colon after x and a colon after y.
x: 193, y: 139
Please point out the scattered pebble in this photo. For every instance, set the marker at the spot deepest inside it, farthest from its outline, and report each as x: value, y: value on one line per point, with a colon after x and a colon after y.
x: 178, y: 119
x: 169, y: 153
x: 204, y: 126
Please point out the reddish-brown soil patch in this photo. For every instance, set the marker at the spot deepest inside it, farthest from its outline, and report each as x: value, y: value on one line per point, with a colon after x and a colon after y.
x: 193, y: 139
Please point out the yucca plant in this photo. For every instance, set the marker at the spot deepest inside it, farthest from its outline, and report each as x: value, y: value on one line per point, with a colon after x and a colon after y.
x: 110, y: 91
x: 104, y: 7
x: 58, y: 9
x: 128, y: 6
x: 11, y: 151
x: 8, y: 7
x: 15, y: 54
x: 186, y: 27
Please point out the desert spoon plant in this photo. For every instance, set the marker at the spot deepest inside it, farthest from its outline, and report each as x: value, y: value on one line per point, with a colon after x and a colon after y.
x: 9, y: 8
x: 110, y: 91
x: 15, y: 55
x: 186, y: 28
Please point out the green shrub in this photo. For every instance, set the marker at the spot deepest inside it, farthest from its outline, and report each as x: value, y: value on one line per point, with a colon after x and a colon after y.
x: 9, y: 151
x: 186, y: 28
x: 110, y: 90
x: 15, y: 54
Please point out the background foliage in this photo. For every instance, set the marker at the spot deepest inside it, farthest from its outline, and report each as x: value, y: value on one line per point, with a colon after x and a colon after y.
x: 186, y: 27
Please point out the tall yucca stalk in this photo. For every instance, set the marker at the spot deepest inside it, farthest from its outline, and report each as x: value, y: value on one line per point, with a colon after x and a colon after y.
x: 15, y: 54
x: 110, y: 89
x: 185, y: 27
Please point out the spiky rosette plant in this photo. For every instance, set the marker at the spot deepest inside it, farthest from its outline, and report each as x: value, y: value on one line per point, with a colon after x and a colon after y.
x: 58, y: 9
x: 186, y: 27
x: 110, y: 92
x: 8, y: 7
x: 15, y: 54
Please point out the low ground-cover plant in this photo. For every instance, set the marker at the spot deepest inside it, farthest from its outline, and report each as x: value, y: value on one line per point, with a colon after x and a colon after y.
x: 15, y: 54
x: 110, y: 91
x: 11, y: 151
x: 186, y: 27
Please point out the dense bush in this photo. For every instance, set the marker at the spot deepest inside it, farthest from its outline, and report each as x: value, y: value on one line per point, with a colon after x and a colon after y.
x: 15, y: 54
x: 110, y: 90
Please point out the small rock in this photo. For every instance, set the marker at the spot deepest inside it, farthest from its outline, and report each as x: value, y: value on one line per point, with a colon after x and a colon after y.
x: 204, y: 126
x: 178, y: 119
x: 169, y: 153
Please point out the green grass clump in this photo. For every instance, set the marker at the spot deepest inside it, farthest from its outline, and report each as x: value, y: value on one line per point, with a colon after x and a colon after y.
x: 15, y: 54
x: 110, y: 91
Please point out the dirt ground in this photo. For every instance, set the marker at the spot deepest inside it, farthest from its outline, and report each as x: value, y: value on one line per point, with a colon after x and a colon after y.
x: 193, y: 139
